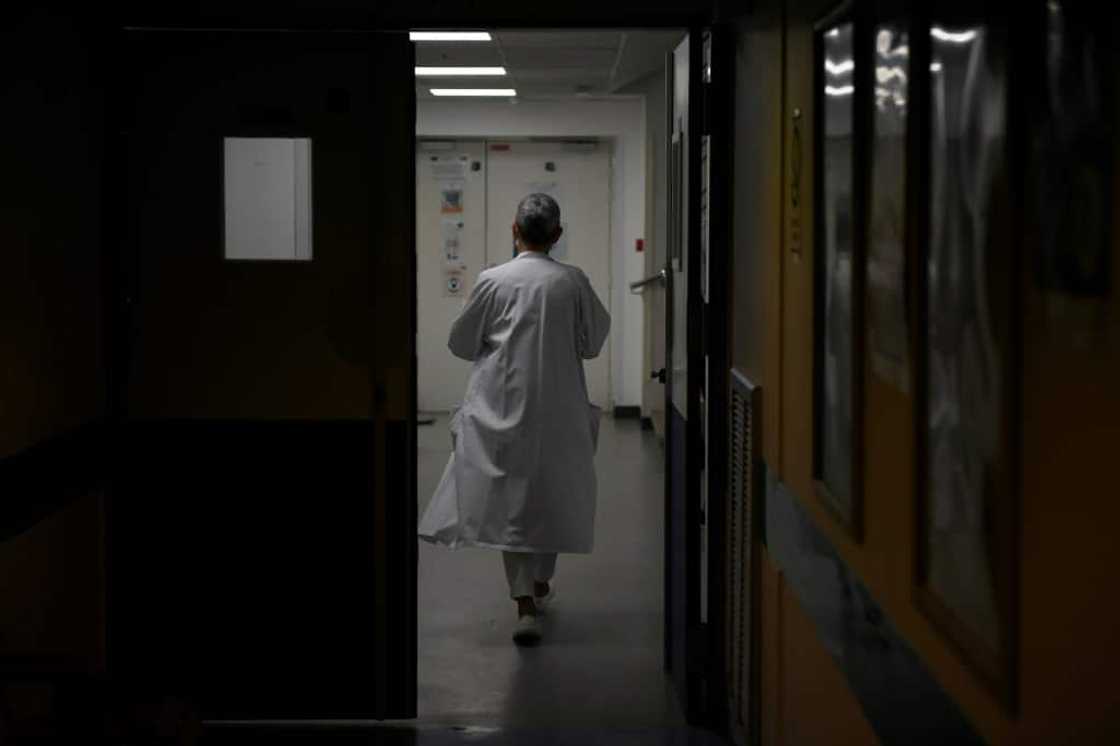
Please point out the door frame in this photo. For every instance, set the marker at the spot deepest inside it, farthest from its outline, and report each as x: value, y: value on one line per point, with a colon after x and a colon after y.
x: 690, y: 22
x: 392, y: 466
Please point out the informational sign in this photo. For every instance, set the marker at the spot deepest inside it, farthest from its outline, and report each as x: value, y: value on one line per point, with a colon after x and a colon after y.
x: 451, y: 242
x: 450, y: 169
x: 451, y: 197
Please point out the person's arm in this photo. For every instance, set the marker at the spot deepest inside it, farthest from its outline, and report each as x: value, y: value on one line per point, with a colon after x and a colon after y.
x: 594, y: 321
x: 469, y: 329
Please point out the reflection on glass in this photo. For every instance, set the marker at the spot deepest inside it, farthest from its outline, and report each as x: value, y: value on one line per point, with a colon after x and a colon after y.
x: 837, y: 197
x: 966, y: 351
x: 1075, y: 154
x: 886, y: 250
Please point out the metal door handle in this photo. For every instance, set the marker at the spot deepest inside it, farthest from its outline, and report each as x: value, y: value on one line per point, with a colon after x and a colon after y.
x: 661, y: 277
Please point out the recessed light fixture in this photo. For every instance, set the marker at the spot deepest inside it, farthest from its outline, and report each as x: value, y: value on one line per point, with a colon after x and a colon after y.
x: 449, y: 35
x: 473, y: 91
x: 459, y: 71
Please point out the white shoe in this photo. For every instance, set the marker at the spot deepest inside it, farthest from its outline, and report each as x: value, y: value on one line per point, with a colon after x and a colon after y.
x: 543, y: 602
x: 527, y: 631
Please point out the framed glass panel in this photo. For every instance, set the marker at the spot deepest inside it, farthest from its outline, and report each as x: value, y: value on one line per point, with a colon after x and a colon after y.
x: 888, y: 338
x: 838, y: 284
x: 966, y: 473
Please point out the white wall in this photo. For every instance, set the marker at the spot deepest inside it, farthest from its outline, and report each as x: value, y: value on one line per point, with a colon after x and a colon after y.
x: 622, y: 120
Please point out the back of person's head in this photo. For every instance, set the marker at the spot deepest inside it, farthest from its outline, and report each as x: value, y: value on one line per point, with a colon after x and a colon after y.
x: 538, y: 220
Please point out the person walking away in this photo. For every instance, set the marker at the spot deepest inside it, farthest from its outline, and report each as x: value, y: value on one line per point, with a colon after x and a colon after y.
x: 521, y: 477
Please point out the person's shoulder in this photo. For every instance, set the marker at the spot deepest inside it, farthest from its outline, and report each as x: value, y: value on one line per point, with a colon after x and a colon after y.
x: 573, y: 272
x: 493, y: 272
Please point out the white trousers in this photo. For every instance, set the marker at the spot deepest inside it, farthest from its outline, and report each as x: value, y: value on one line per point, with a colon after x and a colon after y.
x: 525, y: 568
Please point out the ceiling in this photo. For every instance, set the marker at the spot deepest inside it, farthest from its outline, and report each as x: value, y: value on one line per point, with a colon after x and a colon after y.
x: 551, y: 64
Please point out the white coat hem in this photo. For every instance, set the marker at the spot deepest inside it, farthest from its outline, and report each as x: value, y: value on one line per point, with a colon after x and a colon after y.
x: 460, y: 543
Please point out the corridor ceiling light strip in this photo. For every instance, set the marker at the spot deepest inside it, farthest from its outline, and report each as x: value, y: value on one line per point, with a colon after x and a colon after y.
x: 449, y: 35
x: 473, y: 91
x: 457, y: 71
x: 839, y: 68
x: 953, y: 37
x: 844, y: 90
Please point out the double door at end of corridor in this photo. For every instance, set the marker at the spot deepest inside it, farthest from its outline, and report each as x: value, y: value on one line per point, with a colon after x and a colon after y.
x: 466, y: 196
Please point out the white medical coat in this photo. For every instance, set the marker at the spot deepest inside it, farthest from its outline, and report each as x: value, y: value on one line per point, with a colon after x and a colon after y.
x: 521, y: 476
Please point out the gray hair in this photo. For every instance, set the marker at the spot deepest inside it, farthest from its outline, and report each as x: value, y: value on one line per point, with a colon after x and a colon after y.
x: 538, y: 219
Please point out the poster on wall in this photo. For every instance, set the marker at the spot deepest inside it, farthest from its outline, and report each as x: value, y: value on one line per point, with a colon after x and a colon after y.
x: 451, y: 197
x: 450, y: 168
x: 887, y: 323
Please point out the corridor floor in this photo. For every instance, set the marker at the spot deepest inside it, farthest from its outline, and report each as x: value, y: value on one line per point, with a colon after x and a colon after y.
x: 597, y: 678
x: 600, y: 664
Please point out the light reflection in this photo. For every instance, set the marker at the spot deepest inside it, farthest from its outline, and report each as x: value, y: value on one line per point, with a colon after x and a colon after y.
x: 886, y: 73
x: 936, y: 67
x: 838, y: 91
x: 884, y: 42
x: 839, y: 68
x: 953, y: 37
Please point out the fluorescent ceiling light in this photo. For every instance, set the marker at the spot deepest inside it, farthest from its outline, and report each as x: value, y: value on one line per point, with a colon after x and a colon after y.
x: 473, y: 91
x: 844, y: 90
x: 839, y: 68
x: 449, y: 35
x: 952, y: 37
x: 935, y: 67
x: 455, y: 71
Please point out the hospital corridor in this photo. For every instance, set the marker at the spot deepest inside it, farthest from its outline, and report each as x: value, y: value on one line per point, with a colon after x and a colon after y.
x: 492, y: 373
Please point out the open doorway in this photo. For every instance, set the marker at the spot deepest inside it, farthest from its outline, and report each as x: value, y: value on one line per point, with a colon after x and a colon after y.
x: 585, y: 124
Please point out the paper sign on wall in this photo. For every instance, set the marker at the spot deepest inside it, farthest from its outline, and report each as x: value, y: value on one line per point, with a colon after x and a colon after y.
x: 449, y: 170
x: 451, y: 232
x: 451, y: 197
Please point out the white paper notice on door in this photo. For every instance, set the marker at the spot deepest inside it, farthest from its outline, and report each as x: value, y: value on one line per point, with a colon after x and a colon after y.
x: 451, y: 241
x: 447, y: 169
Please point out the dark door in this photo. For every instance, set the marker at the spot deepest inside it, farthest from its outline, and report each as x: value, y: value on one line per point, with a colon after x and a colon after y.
x: 262, y: 545
x: 683, y: 414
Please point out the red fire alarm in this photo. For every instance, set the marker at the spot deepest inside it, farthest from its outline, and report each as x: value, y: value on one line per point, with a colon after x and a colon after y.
x: 640, y: 245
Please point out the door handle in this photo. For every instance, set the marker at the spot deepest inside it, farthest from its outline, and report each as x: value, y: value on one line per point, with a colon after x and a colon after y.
x: 659, y: 374
x: 661, y: 278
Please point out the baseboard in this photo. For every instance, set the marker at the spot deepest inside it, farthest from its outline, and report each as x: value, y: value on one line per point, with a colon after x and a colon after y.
x: 628, y: 412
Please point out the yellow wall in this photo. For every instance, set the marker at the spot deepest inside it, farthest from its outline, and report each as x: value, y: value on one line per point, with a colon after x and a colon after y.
x: 1069, y: 512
